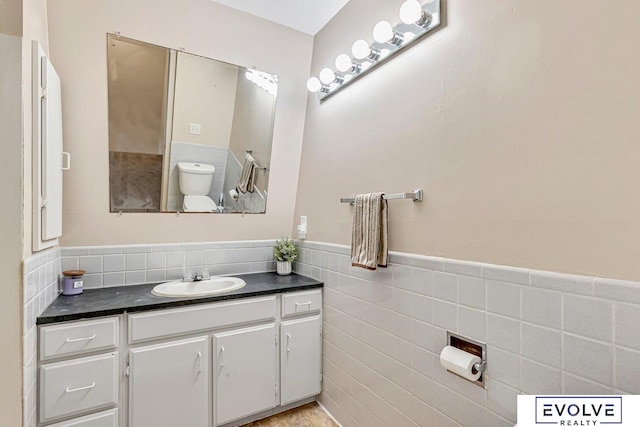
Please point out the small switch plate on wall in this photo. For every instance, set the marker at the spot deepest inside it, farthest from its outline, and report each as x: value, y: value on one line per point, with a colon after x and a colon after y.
x: 194, y: 128
x: 302, y: 228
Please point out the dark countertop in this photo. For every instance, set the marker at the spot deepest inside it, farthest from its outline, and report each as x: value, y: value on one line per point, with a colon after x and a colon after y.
x: 134, y: 298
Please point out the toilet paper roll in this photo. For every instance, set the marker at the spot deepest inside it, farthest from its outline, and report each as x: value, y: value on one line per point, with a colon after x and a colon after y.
x: 460, y: 362
x: 234, y: 194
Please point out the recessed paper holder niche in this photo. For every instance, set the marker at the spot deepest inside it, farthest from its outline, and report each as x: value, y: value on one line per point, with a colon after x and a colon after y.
x: 473, y: 347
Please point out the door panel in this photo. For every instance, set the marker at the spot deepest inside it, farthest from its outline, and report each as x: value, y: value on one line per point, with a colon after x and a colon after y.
x: 244, y: 372
x: 300, y: 359
x: 169, y: 385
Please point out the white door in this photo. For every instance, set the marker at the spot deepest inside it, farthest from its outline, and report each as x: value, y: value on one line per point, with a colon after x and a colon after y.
x: 300, y: 359
x: 244, y: 372
x: 169, y: 384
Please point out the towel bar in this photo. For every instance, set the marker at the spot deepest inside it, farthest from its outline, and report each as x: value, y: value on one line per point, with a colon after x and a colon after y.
x: 263, y: 168
x: 416, y: 196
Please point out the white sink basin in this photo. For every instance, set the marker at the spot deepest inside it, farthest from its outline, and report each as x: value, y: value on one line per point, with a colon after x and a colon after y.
x: 212, y: 286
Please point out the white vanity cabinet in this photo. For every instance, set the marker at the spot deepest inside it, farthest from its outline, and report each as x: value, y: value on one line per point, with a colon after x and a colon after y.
x: 245, y: 365
x: 218, y: 364
x: 168, y: 384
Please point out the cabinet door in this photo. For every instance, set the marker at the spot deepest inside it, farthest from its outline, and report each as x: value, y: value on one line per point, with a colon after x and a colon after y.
x: 301, y: 359
x: 244, y: 372
x: 168, y: 384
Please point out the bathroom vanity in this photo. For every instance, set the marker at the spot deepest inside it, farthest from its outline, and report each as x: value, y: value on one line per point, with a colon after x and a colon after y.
x: 124, y: 357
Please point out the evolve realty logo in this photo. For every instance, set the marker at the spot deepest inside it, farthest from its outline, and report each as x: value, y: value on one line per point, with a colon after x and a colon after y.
x: 578, y: 411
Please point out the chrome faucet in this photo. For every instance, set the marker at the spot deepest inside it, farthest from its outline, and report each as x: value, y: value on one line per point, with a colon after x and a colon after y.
x: 198, y: 277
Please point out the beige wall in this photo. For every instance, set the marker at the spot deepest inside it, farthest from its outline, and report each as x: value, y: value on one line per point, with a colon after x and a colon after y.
x: 11, y: 17
x: 253, y: 126
x: 137, y: 87
x: 78, y: 48
x: 11, y: 230
x: 205, y: 94
x: 520, y: 121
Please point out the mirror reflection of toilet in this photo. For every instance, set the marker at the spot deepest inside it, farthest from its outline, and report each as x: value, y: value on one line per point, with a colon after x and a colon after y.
x: 195, y: 183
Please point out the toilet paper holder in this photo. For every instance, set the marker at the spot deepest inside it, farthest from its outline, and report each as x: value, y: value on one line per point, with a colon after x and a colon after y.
x: 474, y: 347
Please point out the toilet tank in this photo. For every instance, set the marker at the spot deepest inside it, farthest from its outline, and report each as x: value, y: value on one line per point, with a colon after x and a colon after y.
x: 195, y: 178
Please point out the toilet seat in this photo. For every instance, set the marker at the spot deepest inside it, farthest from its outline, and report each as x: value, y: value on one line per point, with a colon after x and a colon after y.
x: 198, y: 204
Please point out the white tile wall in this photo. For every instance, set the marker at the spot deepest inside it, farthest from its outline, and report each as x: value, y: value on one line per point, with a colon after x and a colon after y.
x: 546, y: 333
x: 40, y: 287
x: 136, y: 264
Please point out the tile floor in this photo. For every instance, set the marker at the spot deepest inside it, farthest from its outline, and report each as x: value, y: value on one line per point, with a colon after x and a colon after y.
x: 309, y: 415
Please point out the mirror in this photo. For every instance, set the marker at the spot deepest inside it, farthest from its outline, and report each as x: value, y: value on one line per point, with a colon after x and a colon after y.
x: 186, y: 133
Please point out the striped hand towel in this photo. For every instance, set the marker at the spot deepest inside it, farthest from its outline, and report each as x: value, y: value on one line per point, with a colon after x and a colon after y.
x: 369, y: 235
x: 247, y: 176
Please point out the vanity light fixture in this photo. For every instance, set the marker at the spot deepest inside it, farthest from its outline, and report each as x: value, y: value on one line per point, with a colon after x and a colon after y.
x: 266, y: 81
x: 416, y: 21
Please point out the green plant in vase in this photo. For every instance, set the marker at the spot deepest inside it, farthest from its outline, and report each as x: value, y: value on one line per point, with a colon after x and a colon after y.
x: 285, y: 253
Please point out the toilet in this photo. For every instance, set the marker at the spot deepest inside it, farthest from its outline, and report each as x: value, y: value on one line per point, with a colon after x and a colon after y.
x: 195, y: 182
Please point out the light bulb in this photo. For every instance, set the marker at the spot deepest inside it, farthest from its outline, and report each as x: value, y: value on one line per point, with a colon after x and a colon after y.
x: 361, y: 49
x: 314, y: 85
x: 343, y: 62
x: 327, y: 76
x: 383, y: 32
x: 410, y: 11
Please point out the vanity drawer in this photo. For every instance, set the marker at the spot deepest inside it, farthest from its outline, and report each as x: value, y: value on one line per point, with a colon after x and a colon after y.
x: 78, y: 338
x: 301, y: 302
x: 79, y: 385
x: 165, y: 323
x: 101, y: 419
